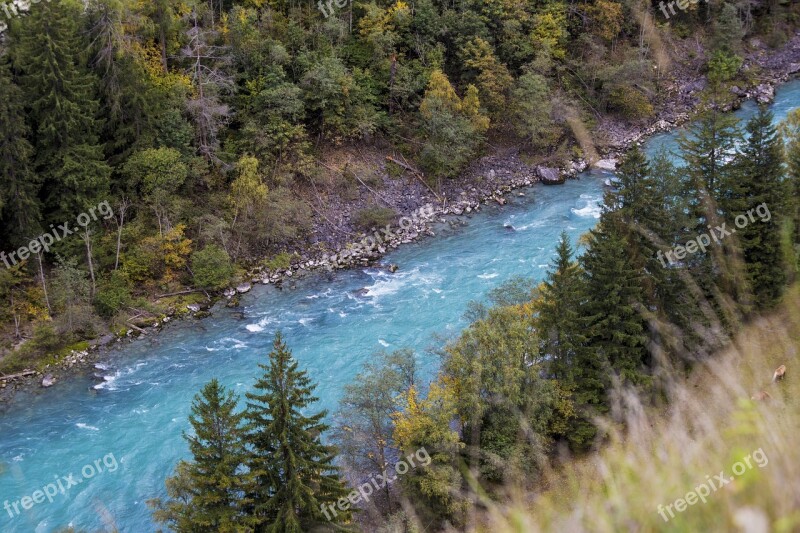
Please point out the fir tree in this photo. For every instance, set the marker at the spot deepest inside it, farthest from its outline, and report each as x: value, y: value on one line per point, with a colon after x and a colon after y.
x: 50, y: 56
x: 19, y: 185
x: 294, y: 479
x: 560, y: 334
x: 207, y: 491
x: 761, y: 183
x: 614, y: 328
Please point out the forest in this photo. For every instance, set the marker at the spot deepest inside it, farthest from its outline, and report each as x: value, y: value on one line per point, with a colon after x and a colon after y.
x: 539, y: 374
x: 205, y: 126
x: 193, y: 141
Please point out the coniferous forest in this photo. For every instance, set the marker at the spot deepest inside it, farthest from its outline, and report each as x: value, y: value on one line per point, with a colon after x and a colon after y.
x: 201, y: 130
x: 536, y: 368
x: 194, y: 142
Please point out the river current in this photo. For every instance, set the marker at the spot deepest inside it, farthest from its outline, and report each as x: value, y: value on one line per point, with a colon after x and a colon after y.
x: 115, y: 443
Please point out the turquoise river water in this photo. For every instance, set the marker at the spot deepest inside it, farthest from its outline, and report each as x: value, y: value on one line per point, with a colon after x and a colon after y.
x: 119, y: 440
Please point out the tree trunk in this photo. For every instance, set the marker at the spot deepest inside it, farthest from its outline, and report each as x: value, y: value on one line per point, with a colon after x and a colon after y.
x: 44, y: 284
x: 87, y: 238
x: 123, y: 207
x: 16, y: 316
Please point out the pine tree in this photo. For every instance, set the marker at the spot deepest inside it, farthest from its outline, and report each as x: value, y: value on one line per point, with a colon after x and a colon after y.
x: 50, y: 56
x: 207, y: 492
x: 760, y: 182
x: 557, y: 325
x: 20, y: 210
x: 790, y: 129
x: 294, y: 479
x: 615, y: 330
x: 709, y: 152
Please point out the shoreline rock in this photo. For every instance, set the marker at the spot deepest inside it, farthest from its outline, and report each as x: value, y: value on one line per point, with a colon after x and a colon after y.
x: 506, y: 167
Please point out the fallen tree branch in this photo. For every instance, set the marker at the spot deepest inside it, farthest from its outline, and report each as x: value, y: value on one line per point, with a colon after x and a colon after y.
x: 178, y: 293
x: 137, y: 328
x: 19, y: 375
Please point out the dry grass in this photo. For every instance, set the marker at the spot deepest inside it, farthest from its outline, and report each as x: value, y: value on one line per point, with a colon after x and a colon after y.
x: 662, y: 455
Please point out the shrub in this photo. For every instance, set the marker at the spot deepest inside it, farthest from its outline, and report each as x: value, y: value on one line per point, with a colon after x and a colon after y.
x: 630, y: 103
x: 723, y: 66
x: 113, y: 294
x: 45, y: 339
x: 374, y: 217
x: 281, y: 261
x: 212, y: 267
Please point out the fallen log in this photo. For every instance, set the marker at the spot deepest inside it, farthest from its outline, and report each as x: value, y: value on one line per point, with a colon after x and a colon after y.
x: 19, y: 375
x: 137, y: 328
x: 404, y: 165
x: 178, y: 293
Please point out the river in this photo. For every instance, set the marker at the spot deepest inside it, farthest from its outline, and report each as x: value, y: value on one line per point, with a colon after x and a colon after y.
x: 120, y: 440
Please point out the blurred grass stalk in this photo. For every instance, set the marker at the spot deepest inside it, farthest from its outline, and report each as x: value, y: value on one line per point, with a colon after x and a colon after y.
x: 663, y: 453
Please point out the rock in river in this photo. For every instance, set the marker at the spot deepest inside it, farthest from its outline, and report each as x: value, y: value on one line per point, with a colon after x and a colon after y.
x: 243, y: 288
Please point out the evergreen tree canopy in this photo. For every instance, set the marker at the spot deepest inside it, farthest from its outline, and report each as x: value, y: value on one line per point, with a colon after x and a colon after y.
x: 292, y: 471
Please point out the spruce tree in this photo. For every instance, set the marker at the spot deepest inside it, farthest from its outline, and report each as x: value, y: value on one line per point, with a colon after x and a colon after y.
x: 790, y: 130
x: 560, y: 333
x: 615, y: 330
x: 207, y: 492
x: 20, y: 210
x: 760, y: 182
x: 293, y: 476
x: 49, y: 54
x: 639, y: 212
x: 709, y: 152
x: 675, y: 302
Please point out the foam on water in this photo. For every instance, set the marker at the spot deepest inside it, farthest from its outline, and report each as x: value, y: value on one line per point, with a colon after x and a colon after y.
x: 143, y: 405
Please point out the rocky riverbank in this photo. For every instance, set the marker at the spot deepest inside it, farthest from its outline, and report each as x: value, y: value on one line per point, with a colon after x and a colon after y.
x: 491, y: 177
x: 486, y: 181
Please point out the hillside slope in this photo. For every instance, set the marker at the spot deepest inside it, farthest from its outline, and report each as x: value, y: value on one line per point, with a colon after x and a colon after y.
x: 711, y: 429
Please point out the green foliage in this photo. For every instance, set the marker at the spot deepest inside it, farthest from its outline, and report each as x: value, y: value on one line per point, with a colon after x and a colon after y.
x: 613, y: 323
x: 558, y: 329
x: 630, y: 103
x: 292, y: 472
x: 723, y: 66
x: 45, y: 338
x: 210, y: 118
x: 453, y: 131
x: 760, y: 182
x: 374, y: 217
x: 212, y: 268
x: 20, y: 209
x: 790, y: 130
x: 364, y: 424
x: 532, y: 108
x: 48, y: 51
x: 157, y: 174
x: 205, y: 493
x: 72, y: 300
x: 281, y: 261
x: 728, y: 30
x: 113, y: 294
